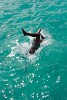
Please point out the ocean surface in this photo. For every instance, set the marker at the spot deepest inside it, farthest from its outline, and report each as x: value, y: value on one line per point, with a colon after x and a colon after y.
x: 42, y: 76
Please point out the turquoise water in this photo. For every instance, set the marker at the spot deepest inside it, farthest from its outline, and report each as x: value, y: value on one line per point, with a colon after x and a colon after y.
x: 42, y: 76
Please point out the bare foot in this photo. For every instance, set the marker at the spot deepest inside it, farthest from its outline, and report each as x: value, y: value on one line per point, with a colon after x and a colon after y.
x: 24, y: 32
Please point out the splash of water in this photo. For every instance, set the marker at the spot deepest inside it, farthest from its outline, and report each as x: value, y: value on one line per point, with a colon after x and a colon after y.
x: 23, y: 48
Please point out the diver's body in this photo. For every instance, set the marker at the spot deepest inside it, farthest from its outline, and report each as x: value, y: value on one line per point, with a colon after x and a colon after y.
x: 36, y: 42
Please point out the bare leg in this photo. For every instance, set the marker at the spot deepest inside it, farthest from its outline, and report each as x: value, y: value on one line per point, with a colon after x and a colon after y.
x: 31, y: 34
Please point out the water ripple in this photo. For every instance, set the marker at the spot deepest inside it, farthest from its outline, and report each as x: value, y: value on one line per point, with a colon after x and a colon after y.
x: 42, y: 75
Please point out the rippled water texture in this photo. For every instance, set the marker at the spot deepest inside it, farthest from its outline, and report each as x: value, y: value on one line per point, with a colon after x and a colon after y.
x: 42, y: 76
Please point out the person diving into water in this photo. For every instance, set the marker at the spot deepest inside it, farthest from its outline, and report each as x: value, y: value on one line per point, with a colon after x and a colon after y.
x: 36, y: 41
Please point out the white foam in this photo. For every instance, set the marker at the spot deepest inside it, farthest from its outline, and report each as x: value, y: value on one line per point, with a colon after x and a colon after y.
x: 13, y: 51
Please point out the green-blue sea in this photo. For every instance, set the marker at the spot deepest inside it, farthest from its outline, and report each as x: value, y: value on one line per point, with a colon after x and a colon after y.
x: 43, y: 75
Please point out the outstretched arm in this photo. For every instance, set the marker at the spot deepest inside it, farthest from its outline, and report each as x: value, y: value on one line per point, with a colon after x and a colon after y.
x: 39, y: 31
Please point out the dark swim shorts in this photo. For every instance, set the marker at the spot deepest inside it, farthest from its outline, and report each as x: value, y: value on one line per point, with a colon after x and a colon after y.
x: 35, y: 45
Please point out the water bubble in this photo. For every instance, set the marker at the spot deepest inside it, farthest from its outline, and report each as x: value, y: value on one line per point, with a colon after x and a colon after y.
x: 37, y: 81
x: 3, y: 91
x: 5, y: 96
x: 22, y: 94
x: 58, y: 79
x: 31, y: 81
x: 11, y: 98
